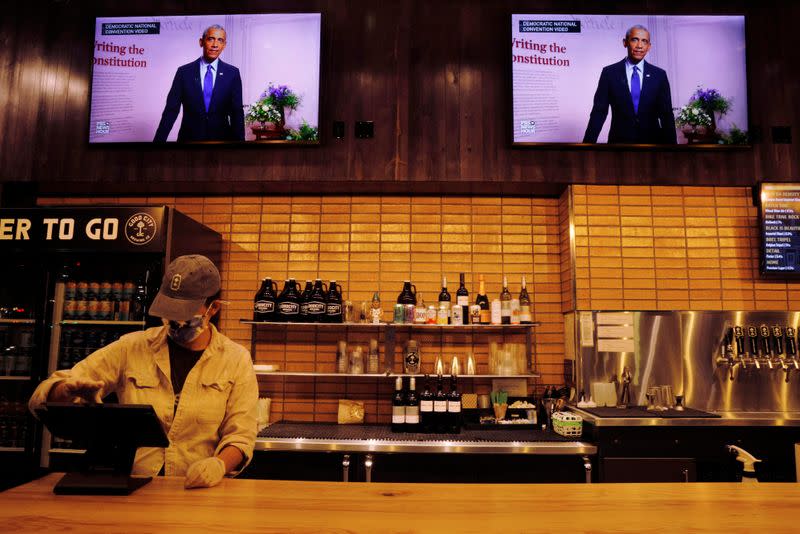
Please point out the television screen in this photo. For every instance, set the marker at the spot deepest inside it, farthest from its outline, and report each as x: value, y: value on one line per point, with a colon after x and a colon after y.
x: 207, y: 78
x: 779, y: 216
x: 629, y: 79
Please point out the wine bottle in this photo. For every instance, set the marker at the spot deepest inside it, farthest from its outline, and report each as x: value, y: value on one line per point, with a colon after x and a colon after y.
x: 524, y: 304
x: 439, y: 420
x: 398, y: 407
x: 483, y: 301
x: 412, y: 407
x: 426, y: 407
x: 444, y: 300
x: 462, y: 298
x: 454, y: 407
x: 505, y: 303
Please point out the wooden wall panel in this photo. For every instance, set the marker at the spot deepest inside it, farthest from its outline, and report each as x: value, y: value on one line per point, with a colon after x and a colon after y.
x: 433, y: 75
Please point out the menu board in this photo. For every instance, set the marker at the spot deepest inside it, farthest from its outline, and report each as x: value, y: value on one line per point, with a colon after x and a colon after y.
x: 780, y: 229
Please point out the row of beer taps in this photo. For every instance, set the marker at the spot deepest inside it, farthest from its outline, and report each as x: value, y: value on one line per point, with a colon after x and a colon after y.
x: 765, y: 348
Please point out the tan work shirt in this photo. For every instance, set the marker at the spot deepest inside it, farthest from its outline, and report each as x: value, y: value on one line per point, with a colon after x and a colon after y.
x: 217, y: 405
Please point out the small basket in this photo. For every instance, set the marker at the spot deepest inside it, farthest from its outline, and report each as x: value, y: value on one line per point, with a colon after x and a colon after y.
x: 568, y: 424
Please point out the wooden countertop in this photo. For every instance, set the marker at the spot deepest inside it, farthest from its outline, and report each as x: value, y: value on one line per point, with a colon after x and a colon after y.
x: 266, y: 506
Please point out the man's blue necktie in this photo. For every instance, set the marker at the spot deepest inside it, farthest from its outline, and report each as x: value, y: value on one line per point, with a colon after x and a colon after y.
x: 636, y: 89
x: 208, y: 86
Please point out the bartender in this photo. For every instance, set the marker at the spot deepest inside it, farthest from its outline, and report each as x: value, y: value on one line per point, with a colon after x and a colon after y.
x: 200, y: 383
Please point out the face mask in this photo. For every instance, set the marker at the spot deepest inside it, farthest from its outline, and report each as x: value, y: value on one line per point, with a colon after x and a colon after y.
x: 184, y: 332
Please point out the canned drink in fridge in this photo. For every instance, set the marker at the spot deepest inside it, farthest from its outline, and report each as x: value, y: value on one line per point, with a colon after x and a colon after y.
x: 70, y: 307
x: 399, y: 314
x: 69, y: 289
x: 106, y: 310
x: 81, y: 309
x: 105, y: 290
x: 81, y: 290
x: 408, y: 313
x: 116, y: 290
x: 93, y: 309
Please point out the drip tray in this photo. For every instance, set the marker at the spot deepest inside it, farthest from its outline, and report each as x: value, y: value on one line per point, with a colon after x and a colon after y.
x: 641, y: 412
x: 333, y: 431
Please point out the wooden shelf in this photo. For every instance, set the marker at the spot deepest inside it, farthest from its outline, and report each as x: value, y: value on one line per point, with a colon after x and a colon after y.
x: 17, y: 321
x: 394, y: 326
x: 12, y: 449
x: 71, y: 322
x: 382, y: 375
x: 12, y: 377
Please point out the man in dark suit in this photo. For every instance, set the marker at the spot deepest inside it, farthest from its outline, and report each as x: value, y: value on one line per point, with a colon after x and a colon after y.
x: 639, y: 95
x: 210, y: 92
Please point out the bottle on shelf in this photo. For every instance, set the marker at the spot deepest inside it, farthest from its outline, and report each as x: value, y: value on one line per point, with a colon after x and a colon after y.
x: 398, y: 407
x: 375, y: 310
x: 439, y: 419
x: 305, y: 296
x: 138, y: 308
x: 454, y: 407
x: 426, y: 407
x: 412, y: 407
x: 373, y: 360
x: 485, y: 315
x: 411, y: 359
x: 505, y: 303
x: 525, y: 315
x: 462, y: 299
x: 420, y: 312
x: 333, y: 303
x: 289, y: 302
x: 315, y: 306
x: 408, y: 295
x: 444, y: 303
x: 264, y: 301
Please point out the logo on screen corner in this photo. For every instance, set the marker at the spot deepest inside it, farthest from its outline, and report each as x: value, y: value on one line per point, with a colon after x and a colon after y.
x: 140, y: 228
x: 527, y: 127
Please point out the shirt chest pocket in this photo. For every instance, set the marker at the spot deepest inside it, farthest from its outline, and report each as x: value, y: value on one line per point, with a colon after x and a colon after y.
x: 140, y: 385
x: 213, y: 399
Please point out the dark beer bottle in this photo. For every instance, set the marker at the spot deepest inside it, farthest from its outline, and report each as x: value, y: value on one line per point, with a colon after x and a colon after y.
x: 315, y: 306
x: 333, y: 303
x: 304, y: 298
x: 264, y: 301
x: 289, y: 302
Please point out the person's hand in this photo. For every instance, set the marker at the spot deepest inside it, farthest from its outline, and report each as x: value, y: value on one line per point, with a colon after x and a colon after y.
x: 79, y: 390
x: 205, y: 473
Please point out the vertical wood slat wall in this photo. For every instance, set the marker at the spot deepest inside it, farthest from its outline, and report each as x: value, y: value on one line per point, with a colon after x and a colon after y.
x: 372, y: 244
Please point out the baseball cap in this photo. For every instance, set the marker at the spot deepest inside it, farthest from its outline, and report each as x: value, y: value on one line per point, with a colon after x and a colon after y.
x: 188, y: 281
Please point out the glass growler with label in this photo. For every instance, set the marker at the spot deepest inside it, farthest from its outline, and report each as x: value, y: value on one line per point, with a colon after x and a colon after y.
x: 408, y: 295
x: 315, y: 305
x: 304, y: 298
x: 264, y: 301
x: 333, y: 303
x: 289, y: 302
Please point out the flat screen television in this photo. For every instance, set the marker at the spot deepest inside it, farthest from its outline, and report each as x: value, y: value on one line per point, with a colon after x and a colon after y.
x: 779, y: 225
x: 151, y: 81
x: 573, y: 80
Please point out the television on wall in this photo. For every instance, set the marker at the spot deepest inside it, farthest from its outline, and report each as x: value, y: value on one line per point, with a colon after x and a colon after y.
x: 206, y: 78
x: 779, y: 226
x: 652, y: 80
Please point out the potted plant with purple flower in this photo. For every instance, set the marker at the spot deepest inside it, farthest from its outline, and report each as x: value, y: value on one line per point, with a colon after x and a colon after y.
x: 698, y: 118
x: 713, y: 103
x: 281, y: 97
x: 269, y: 109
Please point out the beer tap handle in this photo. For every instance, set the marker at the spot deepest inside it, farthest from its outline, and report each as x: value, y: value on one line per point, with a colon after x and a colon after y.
x: 777, y: 335
x: 765, y: 335
x: 738, y: 333
x: 791, y: 344
x: 752, y: 335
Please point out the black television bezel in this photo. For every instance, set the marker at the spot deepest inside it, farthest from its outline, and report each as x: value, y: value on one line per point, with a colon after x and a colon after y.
x: 550, y: 145
x: 768, y: 275
x: 205, y: 144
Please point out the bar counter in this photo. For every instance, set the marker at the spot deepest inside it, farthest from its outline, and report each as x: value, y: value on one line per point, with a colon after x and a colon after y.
x: 277, y: 506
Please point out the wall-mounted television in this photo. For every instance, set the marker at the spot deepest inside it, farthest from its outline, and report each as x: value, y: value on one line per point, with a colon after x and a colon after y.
x: 629, y: 79
x: 779, y: 225
x: 206, y: 78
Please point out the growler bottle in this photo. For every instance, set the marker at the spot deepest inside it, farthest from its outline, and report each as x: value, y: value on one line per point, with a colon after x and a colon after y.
x: 315, y: 305
x: 333, y: 303
x: 264, y: 301
x: 304, y: 298
x: 408, y: 295
x: 289, y: 302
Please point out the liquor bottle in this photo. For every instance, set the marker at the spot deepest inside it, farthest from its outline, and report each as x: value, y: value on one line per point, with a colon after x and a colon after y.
x: 524, y: 304
x: 289, y: 302
x: 426, y: 407
x: 462, y: 298
x: 444, y: 300
x: 454, y: 407
x: 375, y: 312
x: 483, y: 301
x: 333, y: 303
x: 439, y: 422
x: 398, y: 407
x: 315, y: 306
x: 305, y: 296
x: 412, y: 407
x: 505, y: 303
x: 409, y: 293
x: 264, y: 301
x: 411, y: 359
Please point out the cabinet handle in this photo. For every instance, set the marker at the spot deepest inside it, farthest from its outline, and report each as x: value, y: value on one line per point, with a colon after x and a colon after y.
x: 346, y: 468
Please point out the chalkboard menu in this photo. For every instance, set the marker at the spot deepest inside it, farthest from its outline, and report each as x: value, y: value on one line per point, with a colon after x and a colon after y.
x: 780, y: 229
